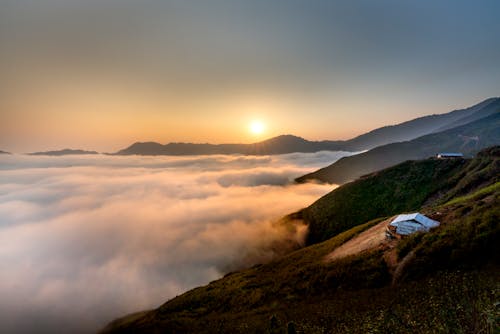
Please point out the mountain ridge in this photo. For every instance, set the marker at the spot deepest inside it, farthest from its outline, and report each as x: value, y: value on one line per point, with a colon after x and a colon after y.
x: 468, y: 139
x: 66, y: 151
x: 276, y: 145
x: 425, y: 125
x: 288, y: 143
x: 283, y: 144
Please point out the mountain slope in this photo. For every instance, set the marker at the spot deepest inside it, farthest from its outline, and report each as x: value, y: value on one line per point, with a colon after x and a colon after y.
x: 422, y: 126
x: 481, y: 110
x: 459, y: 139
x: 446, y: 280
x: 404, y: 187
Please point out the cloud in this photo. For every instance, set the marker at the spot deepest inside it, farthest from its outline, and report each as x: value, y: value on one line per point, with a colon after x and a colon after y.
x: 86, y: 239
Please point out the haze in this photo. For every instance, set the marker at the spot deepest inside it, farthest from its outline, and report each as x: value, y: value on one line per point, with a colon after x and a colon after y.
x: 100, y: 75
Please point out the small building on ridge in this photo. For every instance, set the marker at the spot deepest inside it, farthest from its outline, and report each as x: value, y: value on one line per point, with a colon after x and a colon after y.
x: 407, y: 224
x: 450, y: 156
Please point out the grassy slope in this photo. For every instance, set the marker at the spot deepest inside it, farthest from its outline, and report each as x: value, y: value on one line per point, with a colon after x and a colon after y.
x: 405, y: 187
x: 350, y: 168
x: 451, y: 285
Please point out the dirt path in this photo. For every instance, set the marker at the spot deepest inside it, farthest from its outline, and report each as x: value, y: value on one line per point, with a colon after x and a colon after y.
x: 370, y: 238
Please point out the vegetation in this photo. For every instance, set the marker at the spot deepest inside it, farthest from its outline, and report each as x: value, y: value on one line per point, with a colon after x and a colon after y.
x: 480, y: 193
x: 471, y: 238
x: 449, y: 282
x: 402, y: 188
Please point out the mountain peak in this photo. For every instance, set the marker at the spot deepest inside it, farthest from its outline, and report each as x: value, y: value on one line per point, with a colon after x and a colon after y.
x: 288, y: 138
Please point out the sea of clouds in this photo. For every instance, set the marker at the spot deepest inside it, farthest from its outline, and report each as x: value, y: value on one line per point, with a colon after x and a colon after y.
x: 85, y: 239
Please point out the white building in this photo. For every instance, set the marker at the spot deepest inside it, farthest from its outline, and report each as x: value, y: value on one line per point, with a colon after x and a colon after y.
x: 411, y: 223
x: 450, y: 156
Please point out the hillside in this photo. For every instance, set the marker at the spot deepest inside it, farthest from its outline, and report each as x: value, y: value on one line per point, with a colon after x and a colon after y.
x: 404, y: 187
x: 66, y: 151
x: 289, y: 143
x: 458, y: 139
x: 445, y: 280
x: 422, y: 126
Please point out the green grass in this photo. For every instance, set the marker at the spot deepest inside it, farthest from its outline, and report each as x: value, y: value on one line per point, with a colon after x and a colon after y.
x: 447, y: 302
x: 402, y: 188
x: 480, y: 193
x: 462, y: 241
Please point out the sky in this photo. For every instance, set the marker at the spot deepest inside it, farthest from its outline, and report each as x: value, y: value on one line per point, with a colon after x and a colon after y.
x: 101, y: 75
x: 86, y: 239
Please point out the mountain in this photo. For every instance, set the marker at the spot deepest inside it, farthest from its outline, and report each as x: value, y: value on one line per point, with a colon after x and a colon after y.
x: 404, y: 187
x: 445, y: 280
x: 277, y: 145
x: 3, y: 152
x: 66, y: 151
x: 468, y: 139
x: 422, y: 126
x: 484, y: 109
x: 289, y: 143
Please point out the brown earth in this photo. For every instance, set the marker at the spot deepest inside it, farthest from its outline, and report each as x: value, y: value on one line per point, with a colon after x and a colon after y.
x: 371, y: 238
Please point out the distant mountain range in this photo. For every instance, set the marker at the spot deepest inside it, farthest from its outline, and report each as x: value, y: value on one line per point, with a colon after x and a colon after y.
x: 289, y: 143
x: 277, y: 145
x: 467, y: 139
x: 3, y: 152
x: 283, y: 144
x: 66, y: 151
x: 422, y: 126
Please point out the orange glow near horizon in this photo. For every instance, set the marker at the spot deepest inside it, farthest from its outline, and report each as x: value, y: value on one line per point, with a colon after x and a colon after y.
x: 109, y: 116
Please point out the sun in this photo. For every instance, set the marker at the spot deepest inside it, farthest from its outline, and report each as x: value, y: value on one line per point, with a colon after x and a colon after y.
x: 257, y: 127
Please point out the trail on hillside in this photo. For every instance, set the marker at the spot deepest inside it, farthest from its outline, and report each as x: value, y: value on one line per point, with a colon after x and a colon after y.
x: 370, y: 238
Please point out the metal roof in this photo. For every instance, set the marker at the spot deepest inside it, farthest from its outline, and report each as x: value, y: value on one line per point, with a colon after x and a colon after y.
x: 417, y: 218
x: 449, y: 154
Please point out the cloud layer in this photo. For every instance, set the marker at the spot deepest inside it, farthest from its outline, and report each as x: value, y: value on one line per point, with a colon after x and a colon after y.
x: 89, y: 238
